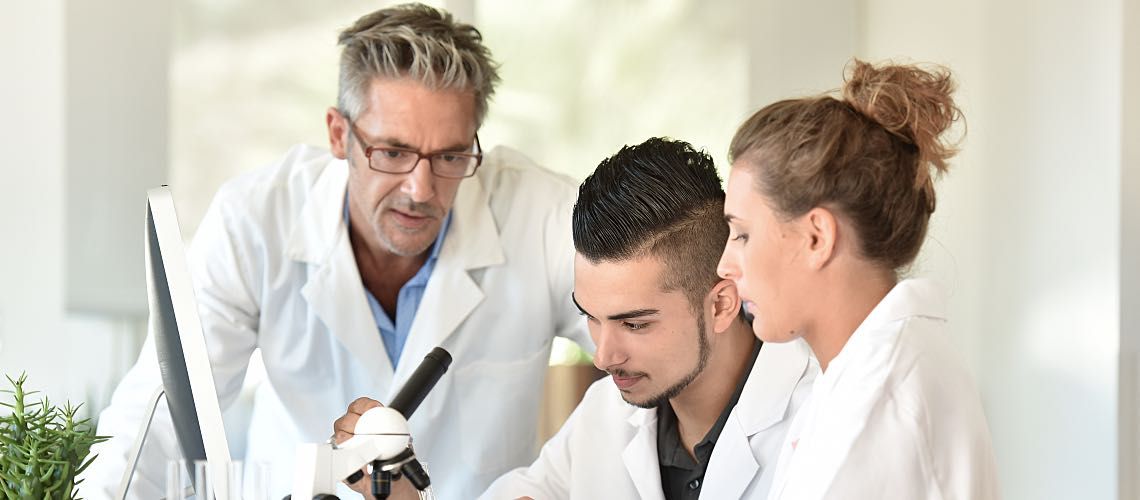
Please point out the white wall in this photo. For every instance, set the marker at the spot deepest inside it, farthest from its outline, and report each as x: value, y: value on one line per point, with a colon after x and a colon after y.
x: 1028, y: 223
x: 31, y: 193
x: 66, y: 355
x: 116, y: 56
x: 1051, y: 294
x: 796, y: 48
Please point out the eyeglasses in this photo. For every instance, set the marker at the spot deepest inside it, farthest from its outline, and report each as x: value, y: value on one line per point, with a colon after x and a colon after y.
x: 446, y: 164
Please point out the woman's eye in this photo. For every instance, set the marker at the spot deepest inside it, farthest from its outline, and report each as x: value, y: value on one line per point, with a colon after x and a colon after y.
x: 740, y: 237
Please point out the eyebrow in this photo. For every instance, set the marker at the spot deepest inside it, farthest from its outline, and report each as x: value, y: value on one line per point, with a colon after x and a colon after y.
x: 396, y: 143
x: 729, y: 217
x: 636, y: 313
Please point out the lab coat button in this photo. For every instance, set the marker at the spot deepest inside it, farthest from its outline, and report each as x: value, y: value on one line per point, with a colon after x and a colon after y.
x: 694, y: 484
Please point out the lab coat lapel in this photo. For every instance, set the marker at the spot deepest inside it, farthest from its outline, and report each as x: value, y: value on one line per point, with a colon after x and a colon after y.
x: 334, y: 290
x: 778, y: 370
x: 908, y: 298
x: 640, y: 456
x: 733, y: 466
x: 472, y: 242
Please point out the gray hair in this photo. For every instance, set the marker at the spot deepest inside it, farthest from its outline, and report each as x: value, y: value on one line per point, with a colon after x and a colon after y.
x: 417, y: 41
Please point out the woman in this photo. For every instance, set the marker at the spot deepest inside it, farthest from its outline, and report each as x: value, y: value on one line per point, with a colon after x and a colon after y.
x: 828, y: 198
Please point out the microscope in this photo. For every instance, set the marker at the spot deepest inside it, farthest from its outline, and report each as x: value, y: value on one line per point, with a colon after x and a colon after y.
x: 381, y: 440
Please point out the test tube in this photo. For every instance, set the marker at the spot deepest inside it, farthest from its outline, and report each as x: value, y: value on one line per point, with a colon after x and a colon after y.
x: 202, y: 484
x: 175, y: 480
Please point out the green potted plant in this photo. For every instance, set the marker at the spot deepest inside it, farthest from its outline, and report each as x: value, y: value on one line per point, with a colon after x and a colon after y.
x: 42, y: 447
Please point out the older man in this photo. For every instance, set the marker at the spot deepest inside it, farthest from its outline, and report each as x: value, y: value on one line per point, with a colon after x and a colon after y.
x: 345, y: 266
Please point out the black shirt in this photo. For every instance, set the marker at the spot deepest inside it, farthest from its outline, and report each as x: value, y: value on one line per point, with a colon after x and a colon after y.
x: 681, y: 476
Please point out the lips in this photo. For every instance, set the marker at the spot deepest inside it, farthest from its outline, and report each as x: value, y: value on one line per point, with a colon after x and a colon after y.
x: 411, y: 221
x: 625, y: 383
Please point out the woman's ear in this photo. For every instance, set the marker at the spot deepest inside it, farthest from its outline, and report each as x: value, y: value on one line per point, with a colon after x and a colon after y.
x: 724, y: 304
x: 821, y: 230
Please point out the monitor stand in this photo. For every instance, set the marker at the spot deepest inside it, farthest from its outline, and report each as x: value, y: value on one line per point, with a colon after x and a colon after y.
x: 136, y: 449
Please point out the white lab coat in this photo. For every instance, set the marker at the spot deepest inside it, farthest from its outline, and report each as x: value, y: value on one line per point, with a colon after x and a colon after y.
x: 608, y: 448
x: 895, y: 416
x: 274, y: 269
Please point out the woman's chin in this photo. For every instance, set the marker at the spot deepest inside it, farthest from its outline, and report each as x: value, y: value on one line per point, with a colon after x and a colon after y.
x: 767, y: 333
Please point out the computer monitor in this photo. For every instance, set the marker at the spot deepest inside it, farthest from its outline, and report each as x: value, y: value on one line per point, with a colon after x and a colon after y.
x: 182, y: 357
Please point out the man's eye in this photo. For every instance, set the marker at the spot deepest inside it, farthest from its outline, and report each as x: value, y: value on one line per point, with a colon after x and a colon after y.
x: 634, y: 326
x: 393, y: 154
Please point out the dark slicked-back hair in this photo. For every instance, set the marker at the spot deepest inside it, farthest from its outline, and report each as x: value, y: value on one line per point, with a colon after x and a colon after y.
x: 661, y: 198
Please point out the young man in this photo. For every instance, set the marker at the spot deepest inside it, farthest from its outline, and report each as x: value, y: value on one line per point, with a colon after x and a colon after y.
x: 346, y: 266
x: 694, y: 406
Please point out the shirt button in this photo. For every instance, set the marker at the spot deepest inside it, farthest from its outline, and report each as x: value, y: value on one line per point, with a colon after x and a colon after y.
x: 694, y: 484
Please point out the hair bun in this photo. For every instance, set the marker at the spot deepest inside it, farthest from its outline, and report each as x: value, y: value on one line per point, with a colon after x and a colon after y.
x: 910, y: 102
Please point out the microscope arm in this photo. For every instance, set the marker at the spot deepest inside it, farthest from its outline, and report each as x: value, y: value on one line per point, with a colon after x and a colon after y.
x: 381, y: 434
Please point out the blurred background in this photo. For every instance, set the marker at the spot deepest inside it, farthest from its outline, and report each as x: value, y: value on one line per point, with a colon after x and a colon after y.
x: 1037, y: 233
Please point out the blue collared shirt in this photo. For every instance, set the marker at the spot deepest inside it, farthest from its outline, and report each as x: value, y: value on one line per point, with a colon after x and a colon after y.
x: 395, y: 334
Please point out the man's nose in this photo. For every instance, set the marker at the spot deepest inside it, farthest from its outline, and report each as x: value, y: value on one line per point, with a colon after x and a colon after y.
x: 608, y: 353
x: 420, y: 182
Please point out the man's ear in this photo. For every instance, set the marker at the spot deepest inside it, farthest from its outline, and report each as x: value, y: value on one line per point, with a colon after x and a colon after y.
x: 724, y: 302
x: 820, y: 228
x: 337, y: 126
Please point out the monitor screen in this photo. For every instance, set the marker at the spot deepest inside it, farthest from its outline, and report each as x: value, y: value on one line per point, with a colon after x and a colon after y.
x: 182, y: 357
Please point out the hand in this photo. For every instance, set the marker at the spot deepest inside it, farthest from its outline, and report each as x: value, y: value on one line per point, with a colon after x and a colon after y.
x: 345, y: 426
x: 343, y: 430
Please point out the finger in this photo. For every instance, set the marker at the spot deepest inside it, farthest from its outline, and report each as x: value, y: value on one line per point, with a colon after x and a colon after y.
x: 342, y: 429
x: 346, y: 423
x: 361, y: 485
x: 362, y: 405
x: 404, y: 490
x: 341, y: 436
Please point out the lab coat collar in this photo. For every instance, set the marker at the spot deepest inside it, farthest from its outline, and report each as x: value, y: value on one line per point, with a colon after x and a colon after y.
x: 472, y: 242
x: 319, y: 226
x: 908, y: 298
x: 336, y: 292
x: 764, y: 402
x: 640, y: 455
x: 733, y: 464
x: 778, y: 370
x: 334, y: 289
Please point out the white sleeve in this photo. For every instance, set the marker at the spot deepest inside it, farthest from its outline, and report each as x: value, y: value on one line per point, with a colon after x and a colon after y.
x: 549, y: 476
x: 560, y: 250
x: 229, y: 317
